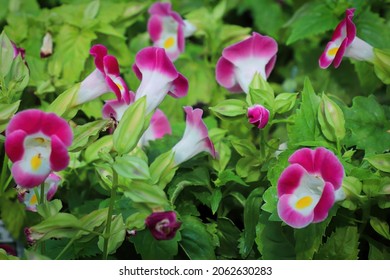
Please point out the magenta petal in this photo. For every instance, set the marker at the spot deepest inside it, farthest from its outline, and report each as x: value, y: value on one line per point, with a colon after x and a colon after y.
x: 270, y: 66
x: 54, y: 125
x: 224, y: 73
x: 290, y: 216
x: 25, y: 179
x: 324, y: 204
x: 257, y: 45
x: 179, y: 87
x: 329, y: 167
x: 27, y: 120
x: 14, y: 145
x: 162, y: 225
x: 155, y: 28
x: 289, y: 179
x: 160, y: 124
x: 59, y: 158
x: 160, y: 8
x: 346, y: 28
x: 155, y: 59
x: 99, y: 52
x: 340, y: 53
x: 111, y: 65
x: 194, y: 119
x: 305, y: 158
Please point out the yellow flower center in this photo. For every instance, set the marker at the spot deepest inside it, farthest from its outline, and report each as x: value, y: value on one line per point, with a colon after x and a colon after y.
x: 169, y: 42
x: 36, y: 161
x: 304, y: 202
x: 33, y: 199
x: 333, y: 51
x: 119, y: 86
x: 39, y: 140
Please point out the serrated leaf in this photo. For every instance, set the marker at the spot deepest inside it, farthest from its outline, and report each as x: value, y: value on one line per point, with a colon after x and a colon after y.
x: 343, y: 244
x: 228, y: 235
x: 215, y: 200
x: 196, y: 241
x: 146, y: 193
x: 368, y: 131
x: 152, y: 249
x: 380, y: 227
x: 311, y: 19
x: 368, y: 22
x: 273, y: 240
x: 13, y: 215
x: 251, y: 217
x: 227, y: 176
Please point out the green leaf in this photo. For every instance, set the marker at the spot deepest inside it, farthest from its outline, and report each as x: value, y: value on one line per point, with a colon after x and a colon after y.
x: 145, y: 193
x: 163, y: 169
x: 311, y: 19
x: 380, y: 227
x: 215, y: 200
x: 117, y: 235
x: 49, y: 208
x: 83, y: 135
x: 230, y: 109
x: 65, y: 101
x: 131, y: 127
x: 152, y: 249
x: 228, y: 235
x: 91, y: 10
x: 369, y: 22
x: 244, y: 147
x: 274, y: 240
x: 382, y: 65
x: 380, y: 162
x: 331, y: 119
x: 306, y: 127
x: 132, y: 167
x: 309, y: 239
x: 284, y: 102
x: 196, y: 241
x: 72, y: 50
x: 251, y: 217
x: 367, y: 131
x: 6, y: 54
x: 102, y: 145
x: 6, y: 113
x: 13, y: 215
x: 227, y: 176
x: 343, y: 244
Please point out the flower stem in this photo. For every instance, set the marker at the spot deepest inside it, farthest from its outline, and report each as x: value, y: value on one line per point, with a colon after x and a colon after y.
x: 107, y: 232
x: 3, y: 174
x: 42, y: 194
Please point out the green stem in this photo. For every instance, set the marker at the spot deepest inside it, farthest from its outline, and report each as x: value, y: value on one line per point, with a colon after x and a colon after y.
x: 107, y: 232
x: 66, y: 247
x: 3, y: 173
x: 42, y: 194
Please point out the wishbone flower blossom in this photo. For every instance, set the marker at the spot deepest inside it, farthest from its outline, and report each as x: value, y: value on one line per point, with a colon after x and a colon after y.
x: 344, y: 42
x: 158, y: 76
x: 258, y: 115
x: 241, y: 61
x: 29, y: 196
x: 168, y: 30
x: 18, y: 51
x: 163, y: 225
x: 159, y: 124
x: 307, y: 188
x: 105, y: 78
x: 36, y: 142
x: 195, y: 139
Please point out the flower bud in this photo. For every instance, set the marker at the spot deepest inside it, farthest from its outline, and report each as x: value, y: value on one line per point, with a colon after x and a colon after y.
x: 258, y: 115
x: 47, y: 46
x: 163, y: 225
x: 331, y: 119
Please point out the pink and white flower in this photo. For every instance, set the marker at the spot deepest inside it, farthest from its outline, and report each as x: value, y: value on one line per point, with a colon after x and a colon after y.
x: 168, y: 30
x: 158, y: 76
x: 105, y: 78
x: 195, y: 139
x: 158, y: 128
x: 36, y: 142
x: 307, y: 188
x: 29, y: 196
x: 258, y: 115
x: 163, y: 225
x: 240, y: 62
x: 345, y: 43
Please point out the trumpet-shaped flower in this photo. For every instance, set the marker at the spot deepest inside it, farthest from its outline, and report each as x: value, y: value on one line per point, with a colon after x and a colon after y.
x: 307, y: 188
x: 163, y: 225
x: 195, y: 139
x: 105, y: 78
x: 158, y: 128
x: 158, y: 76
x: 29, y: 196
x: 167, y: 29
x: 258, y: 115
x: 241, y: 61
x: 36, y: 142
x: 345, y: 43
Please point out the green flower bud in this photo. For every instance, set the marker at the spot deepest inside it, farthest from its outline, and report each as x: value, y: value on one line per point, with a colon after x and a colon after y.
x: 331, y: 119
x: 230, y: 109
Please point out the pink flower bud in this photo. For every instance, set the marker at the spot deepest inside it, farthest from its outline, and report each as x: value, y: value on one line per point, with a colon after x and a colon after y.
x: 258, y: 115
